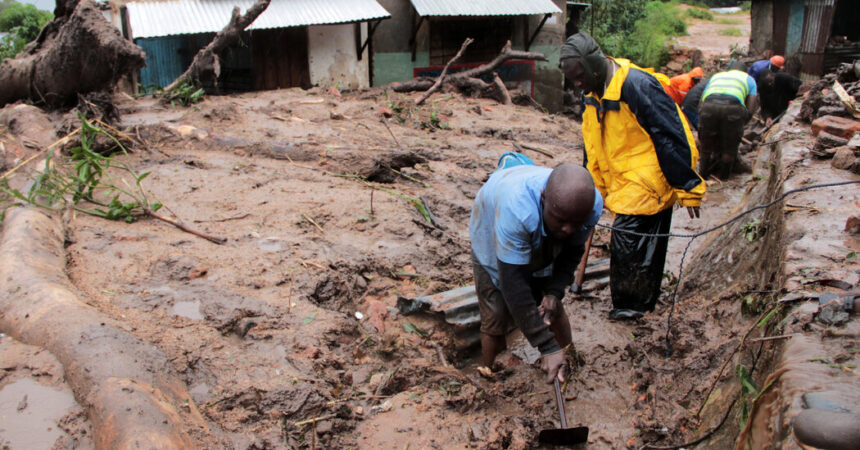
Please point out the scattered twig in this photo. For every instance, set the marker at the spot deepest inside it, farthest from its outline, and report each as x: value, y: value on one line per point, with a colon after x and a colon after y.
x: 699, y: 439
x: 216, y: 239
x: 771, y: 338
x: 444, y: 73
x: 385, y: 122
x: 357, y: 397
x: 546, y: 153
x: 225, y: 219
x: 310, y: 263
x: 315, y: 419
x: 441, y: 354
x: 313, y: 222
x: 26, y: 161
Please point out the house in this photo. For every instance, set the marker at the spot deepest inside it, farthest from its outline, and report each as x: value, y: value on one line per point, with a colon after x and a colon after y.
x: 423, y: 35
x: 814, y: 35
x: 292, y: 43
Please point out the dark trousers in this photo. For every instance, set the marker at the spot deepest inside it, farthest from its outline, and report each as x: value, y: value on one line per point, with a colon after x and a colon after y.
x: 721, y: 127
x: 636, y: 262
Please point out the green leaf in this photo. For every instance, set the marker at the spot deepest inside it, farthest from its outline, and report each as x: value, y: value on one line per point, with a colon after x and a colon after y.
x: 747, y: 383
x: 309, y: 319
x: 143, y: 176
x: 411, y: 328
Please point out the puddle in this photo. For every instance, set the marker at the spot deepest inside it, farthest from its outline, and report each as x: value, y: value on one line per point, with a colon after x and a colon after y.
x: 29, y: 413
x: 190, y: 310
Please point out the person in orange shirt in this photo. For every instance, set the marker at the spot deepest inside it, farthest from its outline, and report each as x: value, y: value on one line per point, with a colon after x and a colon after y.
x: 680, y: 85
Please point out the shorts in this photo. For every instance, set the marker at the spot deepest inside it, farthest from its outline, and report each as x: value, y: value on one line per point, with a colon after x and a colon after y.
x: 496, y: 320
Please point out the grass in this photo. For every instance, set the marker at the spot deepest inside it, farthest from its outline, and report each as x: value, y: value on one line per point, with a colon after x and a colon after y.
x: 699, y: 13
x: 733, y: 31
x: 728, y: 21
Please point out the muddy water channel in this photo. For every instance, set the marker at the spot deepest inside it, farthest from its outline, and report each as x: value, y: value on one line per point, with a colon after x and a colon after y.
x: 288, y: 335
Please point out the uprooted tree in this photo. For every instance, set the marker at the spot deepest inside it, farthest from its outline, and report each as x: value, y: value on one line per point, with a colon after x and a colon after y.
x: 207, y: 61
x: 467, y: 81
x: 76, y: 53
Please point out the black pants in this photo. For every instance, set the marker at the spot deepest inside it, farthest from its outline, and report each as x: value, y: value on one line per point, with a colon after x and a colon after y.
x: 636, y: 262
x: 721, y: 127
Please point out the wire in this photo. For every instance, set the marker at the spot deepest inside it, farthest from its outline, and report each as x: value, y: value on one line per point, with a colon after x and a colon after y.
x: 693, y: 237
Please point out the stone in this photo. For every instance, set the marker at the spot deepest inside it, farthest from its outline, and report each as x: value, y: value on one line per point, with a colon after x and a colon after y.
x: 832, y: 110
x: 852, y: 225
x: 827, y: 141
x: 827, y: 429
x: 843, y: 158
x: 838, y: 126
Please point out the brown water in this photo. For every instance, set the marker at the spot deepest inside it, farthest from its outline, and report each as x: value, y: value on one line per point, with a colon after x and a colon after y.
x: 29, y: 413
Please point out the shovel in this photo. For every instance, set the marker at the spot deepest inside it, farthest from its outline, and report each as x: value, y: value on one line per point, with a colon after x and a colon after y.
x: 562, y: 436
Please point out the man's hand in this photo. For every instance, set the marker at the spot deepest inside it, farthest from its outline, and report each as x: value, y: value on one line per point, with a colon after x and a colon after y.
x: 693, y: 211
x: 548, y: 308
x: 555, y: 366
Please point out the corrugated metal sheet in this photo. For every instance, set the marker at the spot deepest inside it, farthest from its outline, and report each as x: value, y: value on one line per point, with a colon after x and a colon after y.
x: 163, y: 60
x: 428, y: 8
x: 174, y: 17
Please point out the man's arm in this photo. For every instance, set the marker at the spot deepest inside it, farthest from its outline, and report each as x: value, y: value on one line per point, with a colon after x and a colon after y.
x: 660, y: 118
x: 752, y: 103
x: 521, y: 303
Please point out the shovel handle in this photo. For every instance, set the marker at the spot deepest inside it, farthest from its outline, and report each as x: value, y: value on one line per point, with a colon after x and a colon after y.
x: 559, y: 401
x: 580, y: 271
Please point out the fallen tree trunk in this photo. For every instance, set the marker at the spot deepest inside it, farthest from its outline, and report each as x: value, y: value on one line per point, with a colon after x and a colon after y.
x: 467, y: 80
x: 133, y: 396
x: 76, y: 53
x: 206, y: 61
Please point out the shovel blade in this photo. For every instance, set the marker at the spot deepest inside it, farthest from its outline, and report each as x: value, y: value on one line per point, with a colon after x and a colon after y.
x: 564, y: 436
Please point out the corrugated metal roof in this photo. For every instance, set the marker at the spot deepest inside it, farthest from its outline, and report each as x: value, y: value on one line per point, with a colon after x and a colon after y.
x: 427, y: 8
x: 173, y: 17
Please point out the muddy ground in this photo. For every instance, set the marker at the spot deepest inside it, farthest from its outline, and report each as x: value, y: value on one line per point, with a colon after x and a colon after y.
x: 713, y: 37
x: 263, y: 329
x: 293, y: 318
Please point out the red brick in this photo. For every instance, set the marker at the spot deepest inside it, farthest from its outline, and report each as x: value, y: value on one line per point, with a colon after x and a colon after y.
x: 838, y: 126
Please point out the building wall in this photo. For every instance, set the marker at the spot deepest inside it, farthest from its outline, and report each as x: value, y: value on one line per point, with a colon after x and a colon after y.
x: 392, y: 54
x: 761, y: 36
x: 332, y: 56
x: 795, y: 27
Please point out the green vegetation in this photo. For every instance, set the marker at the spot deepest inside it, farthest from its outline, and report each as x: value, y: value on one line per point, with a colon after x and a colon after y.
x: 728, y: 21
x: 733, y: 31
x: 23, y: 23
x: 652, y: 23
x: 699, y: 13
x: 86, y: 182
x: 185, y: 93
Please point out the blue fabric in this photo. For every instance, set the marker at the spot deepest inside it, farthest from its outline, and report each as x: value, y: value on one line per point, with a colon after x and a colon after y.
x: 507, y: 218
x: 513, y: 159
x: 757, y: 67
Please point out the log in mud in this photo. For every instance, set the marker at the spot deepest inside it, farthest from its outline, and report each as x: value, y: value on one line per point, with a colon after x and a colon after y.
x: 133, y: 397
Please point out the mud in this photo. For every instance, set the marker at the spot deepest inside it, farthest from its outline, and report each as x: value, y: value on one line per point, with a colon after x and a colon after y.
x: 263, y: 330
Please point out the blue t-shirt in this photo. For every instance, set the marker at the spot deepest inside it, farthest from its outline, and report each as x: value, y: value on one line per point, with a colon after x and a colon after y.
x: 507, y: 218
x: 757, y: 67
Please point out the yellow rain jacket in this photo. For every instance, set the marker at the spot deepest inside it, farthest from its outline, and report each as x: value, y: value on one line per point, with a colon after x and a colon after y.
x: 639, y: 147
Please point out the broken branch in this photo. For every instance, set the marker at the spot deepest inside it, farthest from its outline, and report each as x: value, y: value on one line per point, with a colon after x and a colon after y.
x: 316, y: 419
x: 441, y: 78
x: 207, y: 59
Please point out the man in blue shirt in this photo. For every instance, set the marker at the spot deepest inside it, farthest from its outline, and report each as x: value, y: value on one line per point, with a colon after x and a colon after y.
x: 528, y: 230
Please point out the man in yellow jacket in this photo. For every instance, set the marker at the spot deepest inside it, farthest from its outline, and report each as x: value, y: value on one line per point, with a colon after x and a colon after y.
x: 642, y: 155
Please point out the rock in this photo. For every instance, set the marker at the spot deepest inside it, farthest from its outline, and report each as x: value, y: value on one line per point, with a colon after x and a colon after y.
x: 843, y: 158
x: 838, y: 126
x: 852, y: 225
x: 827, y: 429
x: 376, y: 312
x: 824, y: 400
x: 825, y: 142
x: 832, y: 110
